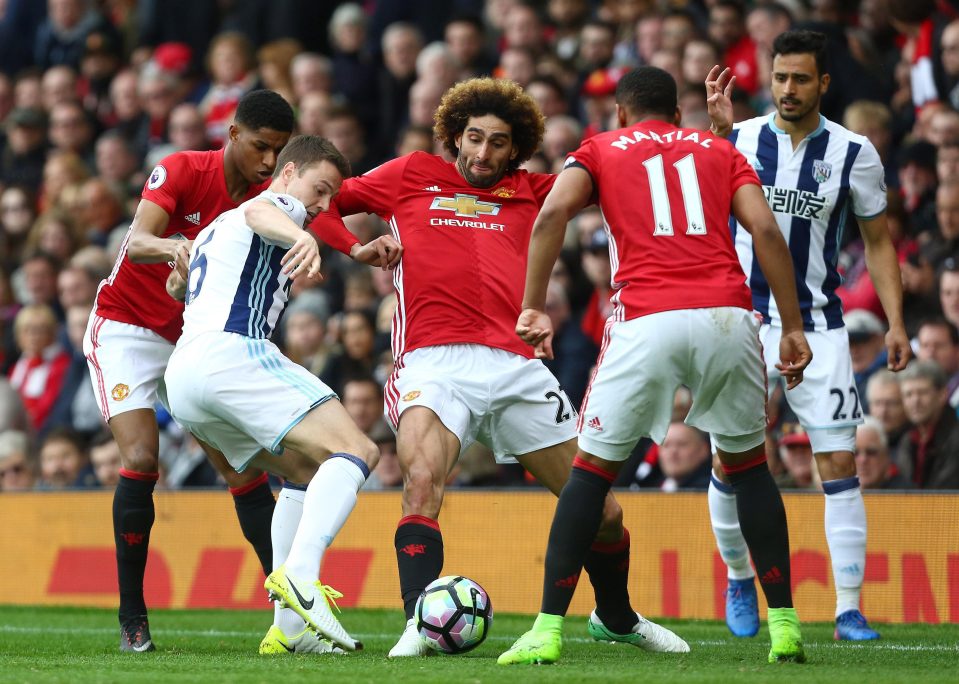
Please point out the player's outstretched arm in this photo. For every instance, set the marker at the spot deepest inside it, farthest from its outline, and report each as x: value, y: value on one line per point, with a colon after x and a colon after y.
x: 145, y: 245
x: 883, y: 264
x: 569, y: 195
x: 719, y: 103
x: 752, y: 211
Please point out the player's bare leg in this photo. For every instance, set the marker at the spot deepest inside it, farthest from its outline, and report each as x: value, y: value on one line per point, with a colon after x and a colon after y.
x: 762, y: 518
x: 845, y: 523
x: 138, y: 437
x: 328, y: 436
x: 576, y: 522
x: 427, y: 451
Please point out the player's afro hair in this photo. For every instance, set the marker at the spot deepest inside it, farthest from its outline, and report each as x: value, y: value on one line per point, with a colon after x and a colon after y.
x: 501, y: 98
x: 264, y: 109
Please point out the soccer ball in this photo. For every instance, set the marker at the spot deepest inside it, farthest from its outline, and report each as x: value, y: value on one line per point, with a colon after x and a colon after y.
x: 453, y: 614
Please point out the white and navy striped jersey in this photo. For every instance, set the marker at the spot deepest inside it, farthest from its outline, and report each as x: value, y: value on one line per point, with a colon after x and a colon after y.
x: 811, y: 190
x: 236, y: 283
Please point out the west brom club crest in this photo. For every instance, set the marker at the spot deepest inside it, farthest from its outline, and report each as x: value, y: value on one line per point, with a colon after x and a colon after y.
x: 821, y: 170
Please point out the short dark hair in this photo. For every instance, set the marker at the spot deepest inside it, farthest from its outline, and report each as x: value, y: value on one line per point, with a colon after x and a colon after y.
x: 265, y: 109
x: 803, y: 43
x: 306, y: 150
x: 647, y: 90
x: 940, y: 322
x: 735, y: 5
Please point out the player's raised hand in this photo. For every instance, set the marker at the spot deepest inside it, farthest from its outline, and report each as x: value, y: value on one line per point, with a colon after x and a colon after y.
x: 897, y: 349
x: 535, y: 328
x: 302, y: 257
x: 385, y: 252
x: 794, y: 356
x: 719, y: 103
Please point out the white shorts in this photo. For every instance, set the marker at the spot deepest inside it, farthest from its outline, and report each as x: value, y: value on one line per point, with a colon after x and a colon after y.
x: 126, y: 365
x: 715, y: 352
x: 239, y: 394
x: 826, y: 399
x: 512, y: 404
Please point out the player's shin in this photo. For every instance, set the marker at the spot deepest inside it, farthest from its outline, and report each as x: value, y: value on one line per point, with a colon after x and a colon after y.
x: 575, y: 523
x: 330, y: 497
x: 419, y: 557
x: 762, y: 518
x: 608, y: 567
x: 254, y: 509
x: 286, y: 519
x: 846, y: 537
x: 133, y: 516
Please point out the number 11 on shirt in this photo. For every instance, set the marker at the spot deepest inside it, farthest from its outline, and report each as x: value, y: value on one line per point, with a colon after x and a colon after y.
x: 692, y: 199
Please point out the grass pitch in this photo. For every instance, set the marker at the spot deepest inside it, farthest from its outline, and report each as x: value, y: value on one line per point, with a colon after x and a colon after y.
x: 73, y: 645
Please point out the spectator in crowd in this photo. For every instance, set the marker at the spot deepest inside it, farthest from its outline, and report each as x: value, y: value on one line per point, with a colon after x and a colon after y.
x: 648, y: 37
x: 516, y: 64
x: 943, y: 127
x: 573, y: 352
x: 76, y: 286
x: 55, y: 233
x: 874, y: 120
x: 304, y: 330
x: 344, y: 129
x: 310, y: 73
x: 929, y: 457
x: 684, y: 458
x: 39, y: 281
x: 64, y: 463
x: 949, y: 290
x: 355, y: 359
x: 13, y: 414
x: 71, y: 131
x: 873, y: 464
x: 549, y: 95
x: 387, y: 474
x: 795, y: 452
x: 39, y: 373
x: 58, y: 86
x: 76, y: 404
x: 313, y: 112
x: 727, y: 28
x: 117, y: 163
x: 465, y: 35
x: 274, y: 60
x: 16, y: 217
x: 867, y: 347
x: 354, y: 70
x: 522, y: 28
x: 939, y: 342
x: 363, y: 400
x: 18, y: 471
x: 949, y: 44
x: 61, y: 39
x: 61, y: 171
x: 231, y: 76
x: 105, y: 459
x: 917, y: 182
x: 23, y: 154
x: 884, y: 400
x: 401, y: 44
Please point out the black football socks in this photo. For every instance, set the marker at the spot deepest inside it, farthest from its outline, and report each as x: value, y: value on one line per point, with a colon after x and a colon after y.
x: 419, y: 557
x: 133, y: 516
x: 254, y: 508
x: 762, y: 518
x: 608, y: 568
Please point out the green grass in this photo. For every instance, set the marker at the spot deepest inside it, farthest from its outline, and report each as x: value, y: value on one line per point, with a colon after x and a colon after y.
x: 80, y: 645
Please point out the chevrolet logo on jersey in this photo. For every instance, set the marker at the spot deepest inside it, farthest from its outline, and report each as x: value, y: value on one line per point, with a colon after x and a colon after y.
x: 799, y: 203
x: 466, y: 205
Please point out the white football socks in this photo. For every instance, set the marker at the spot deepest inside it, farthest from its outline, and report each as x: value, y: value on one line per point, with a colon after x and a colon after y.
x: 729, y: 538
x: 286, y: 518
x: 846, y: 537
x: 330, y: 497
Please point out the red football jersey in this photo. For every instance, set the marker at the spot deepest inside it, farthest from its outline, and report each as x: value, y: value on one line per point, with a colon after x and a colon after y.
x: 666, y: 196
x: 191, y: 188
x: 463, y: 270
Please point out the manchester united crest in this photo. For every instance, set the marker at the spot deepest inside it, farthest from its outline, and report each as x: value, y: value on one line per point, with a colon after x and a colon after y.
x: 120, y: 392
x: 504, y: 192
x: 410, y: 396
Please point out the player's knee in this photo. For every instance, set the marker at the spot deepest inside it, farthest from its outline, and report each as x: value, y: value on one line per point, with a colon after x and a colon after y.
x: 422, y: 486
x: 234, y: 479
x: 366, y: 451
x: 140, y: 458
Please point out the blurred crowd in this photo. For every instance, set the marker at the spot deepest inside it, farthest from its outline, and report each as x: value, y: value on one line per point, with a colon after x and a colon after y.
x: 94, y: 93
